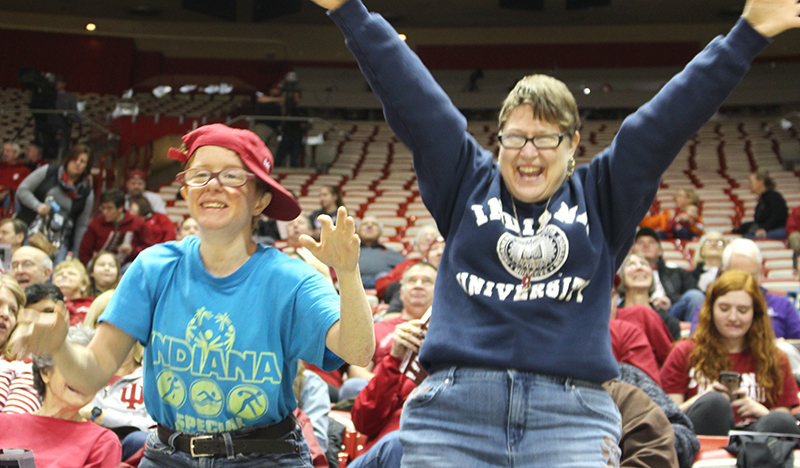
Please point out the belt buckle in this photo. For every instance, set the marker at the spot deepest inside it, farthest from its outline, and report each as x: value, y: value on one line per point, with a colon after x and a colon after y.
x: 201, y: 438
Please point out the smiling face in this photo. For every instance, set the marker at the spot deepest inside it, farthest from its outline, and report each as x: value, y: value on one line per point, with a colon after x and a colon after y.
x: 104, y: 272
x: 9, y: 308
x: 27, y: 266
x: 733, y: 316
x: 70, y: 281
x: 417, y: 290
x: 637, y: 274
x: 189, y: 227
x: 218, y: 207
x: 533, y: 175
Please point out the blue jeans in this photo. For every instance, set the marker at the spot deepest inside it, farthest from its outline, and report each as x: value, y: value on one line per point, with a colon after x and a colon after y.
x: 387, y: 453
x: 685, y: 307
x: 473, y: 417
x: 156, y: 454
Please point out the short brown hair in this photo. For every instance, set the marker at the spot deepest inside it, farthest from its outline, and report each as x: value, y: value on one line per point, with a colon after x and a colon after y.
x: 550, y: 98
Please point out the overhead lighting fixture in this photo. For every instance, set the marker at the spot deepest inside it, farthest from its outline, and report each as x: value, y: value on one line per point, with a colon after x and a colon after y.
x: 91, y: 26
x: 161, y: 91
x: 188, y: 88
x: 402, y: 37
x: 211, y: 89
x: 225, y: 88
x: 127, y: 94
x: 586, y: 90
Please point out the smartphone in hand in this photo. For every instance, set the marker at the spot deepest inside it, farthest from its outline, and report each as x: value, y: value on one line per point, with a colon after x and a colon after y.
x: 732, y: 381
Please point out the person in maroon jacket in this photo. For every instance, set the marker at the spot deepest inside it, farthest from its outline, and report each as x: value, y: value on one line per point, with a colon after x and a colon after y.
x: 115, y: 230
x: 161, y: 227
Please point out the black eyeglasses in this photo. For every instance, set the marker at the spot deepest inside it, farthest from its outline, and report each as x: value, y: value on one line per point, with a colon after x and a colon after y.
x: 513, y: 141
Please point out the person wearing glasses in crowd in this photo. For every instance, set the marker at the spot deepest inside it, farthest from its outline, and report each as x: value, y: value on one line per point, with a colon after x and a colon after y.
x: 523, y: 293
x: 708, y: 259
x: 224, y: 319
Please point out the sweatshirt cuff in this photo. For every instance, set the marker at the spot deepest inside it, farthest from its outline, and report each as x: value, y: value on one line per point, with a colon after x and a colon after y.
x: 352, y: 12
x: 749, y: 41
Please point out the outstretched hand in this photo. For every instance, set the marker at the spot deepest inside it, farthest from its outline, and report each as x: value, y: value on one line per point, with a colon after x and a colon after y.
x: 772, y: 17
x: 330, y: 4
x: 338, y: 245
x: 38, y: 332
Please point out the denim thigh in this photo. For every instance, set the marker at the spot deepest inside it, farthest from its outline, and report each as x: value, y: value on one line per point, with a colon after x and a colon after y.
x: 472, y: 417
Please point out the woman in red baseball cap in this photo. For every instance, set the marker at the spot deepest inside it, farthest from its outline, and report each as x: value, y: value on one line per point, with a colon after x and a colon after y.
x: 224, y: 319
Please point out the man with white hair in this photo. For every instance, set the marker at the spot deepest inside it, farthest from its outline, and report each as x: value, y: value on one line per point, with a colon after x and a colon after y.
x: 30, y: 265
x: 744, y: 255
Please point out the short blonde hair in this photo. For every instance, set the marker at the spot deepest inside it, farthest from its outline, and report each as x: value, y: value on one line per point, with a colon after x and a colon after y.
x: 8, y: 282
x: 550, y: 98
x: 76, y: 264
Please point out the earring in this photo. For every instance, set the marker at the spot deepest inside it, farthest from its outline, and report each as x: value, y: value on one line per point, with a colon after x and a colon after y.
x: 570, y: 167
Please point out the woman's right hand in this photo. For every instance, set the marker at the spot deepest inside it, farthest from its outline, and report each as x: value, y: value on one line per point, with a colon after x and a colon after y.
x: 43, y: 209
x: 330, y: 4
x: 38, y: 333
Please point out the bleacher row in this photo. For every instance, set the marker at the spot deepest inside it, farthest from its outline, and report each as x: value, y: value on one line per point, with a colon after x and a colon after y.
x: 14, y: 110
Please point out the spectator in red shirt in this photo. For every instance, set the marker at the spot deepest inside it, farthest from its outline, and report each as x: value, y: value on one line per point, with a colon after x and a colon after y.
x: 115, y: 231
x: 71, y: 278
x: 734, y: 334
x: 161, y: 227
x: 417, y: 295
x: 793, y: 233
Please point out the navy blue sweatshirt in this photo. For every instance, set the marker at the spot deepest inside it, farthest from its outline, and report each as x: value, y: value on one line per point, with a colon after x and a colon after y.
x: 482, y: 315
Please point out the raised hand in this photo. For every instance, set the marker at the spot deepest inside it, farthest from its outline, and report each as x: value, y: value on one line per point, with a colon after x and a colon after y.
x: 330, y: 4
x: 38, y: 333
x: 338, y: 245
x: 772, y: 17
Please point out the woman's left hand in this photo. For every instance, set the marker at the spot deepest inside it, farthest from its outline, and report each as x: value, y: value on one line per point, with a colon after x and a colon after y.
x: 746, y: 406
x: 338, y: 245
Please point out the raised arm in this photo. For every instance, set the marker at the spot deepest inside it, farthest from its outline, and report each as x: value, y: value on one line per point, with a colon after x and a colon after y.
x: 415, y: 106
x: 649, y: 139
x: 88, y: 368
x: 352, y: 337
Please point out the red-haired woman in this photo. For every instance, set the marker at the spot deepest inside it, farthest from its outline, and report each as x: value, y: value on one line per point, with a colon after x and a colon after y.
x: 734, y: 334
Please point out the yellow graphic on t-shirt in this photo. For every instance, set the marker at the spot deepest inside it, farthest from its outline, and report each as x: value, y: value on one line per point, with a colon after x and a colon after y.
x: 171, y: 388
x: 206, y: 397
x: 210, y: 331
x: 248, y: 402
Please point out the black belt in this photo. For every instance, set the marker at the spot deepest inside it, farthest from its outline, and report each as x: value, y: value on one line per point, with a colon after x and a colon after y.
x: 259, y: 440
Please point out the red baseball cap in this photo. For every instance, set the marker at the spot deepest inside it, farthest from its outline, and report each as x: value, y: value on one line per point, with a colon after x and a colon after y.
x: 253, y: 153
x: 137, y: 173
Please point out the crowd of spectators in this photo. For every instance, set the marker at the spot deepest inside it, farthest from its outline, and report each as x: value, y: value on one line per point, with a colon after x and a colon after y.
x: 673, y: 330
x: 653, y: 304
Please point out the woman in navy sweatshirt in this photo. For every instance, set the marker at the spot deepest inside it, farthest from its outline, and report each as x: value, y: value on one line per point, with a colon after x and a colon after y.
x: 519, y: 342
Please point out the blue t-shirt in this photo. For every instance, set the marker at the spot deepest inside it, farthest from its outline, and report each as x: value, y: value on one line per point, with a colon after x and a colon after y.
x: 221, y: 353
